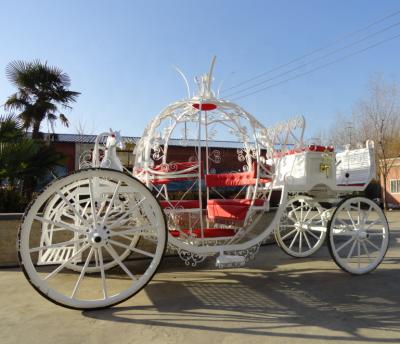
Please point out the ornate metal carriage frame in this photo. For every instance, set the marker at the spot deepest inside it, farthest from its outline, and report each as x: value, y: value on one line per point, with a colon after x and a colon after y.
x: 101, y: 219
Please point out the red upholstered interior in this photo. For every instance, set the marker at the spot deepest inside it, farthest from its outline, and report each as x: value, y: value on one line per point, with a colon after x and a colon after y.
x: 230, y: 179
x: 185, y: 204
x: 208, y: 232
x: 230, y: 209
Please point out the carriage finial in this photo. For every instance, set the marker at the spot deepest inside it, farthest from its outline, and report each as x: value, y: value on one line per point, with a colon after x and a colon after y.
x: 204, y: 82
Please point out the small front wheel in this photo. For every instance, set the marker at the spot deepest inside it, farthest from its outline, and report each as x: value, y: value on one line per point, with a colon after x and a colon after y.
x: 302, y: 228
x: 358, y: 235
x: 74, y: 254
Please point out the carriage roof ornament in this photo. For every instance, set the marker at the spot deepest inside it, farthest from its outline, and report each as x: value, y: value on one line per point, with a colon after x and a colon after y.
x: 204, y: 83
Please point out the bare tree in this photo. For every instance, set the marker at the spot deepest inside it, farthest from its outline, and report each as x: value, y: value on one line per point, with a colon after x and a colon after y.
x: 379, y: 119
x: 376, y: 117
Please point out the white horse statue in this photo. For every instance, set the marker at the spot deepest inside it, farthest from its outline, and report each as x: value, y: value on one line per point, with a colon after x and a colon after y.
x: 110, y: 159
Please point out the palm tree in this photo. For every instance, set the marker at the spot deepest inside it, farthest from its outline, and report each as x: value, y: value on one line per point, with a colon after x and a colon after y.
x: 41, y: 89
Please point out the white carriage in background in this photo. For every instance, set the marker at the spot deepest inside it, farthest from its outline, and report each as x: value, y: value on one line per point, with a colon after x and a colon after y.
x: 86, y: 229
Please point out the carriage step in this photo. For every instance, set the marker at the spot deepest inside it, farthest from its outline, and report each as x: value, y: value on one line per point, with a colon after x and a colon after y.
x: 229, y: 261
x: 58, y: 255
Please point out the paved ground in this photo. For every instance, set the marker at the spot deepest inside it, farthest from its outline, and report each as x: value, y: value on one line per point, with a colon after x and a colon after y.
x: 276, y: 299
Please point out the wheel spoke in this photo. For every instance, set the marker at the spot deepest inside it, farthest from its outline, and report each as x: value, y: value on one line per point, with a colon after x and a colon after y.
x: 82, y: 274
x: 300, y: 242
x: 358, y: 254
x: 372, y: 224
x: 84, y: 210
x: 134, y: 249
x: 111, y: 203
x: 307, y: 241
x: 125, y: 216
x: 288, y: 234
x: 345, y: 244
x: 351, y: 250
x: 294, y: 239
x: 136, y: 230
x: 372, y: 244
x: 286, y: 226
x: 350, y: 217
x: 61, y: 225
x: 71, y: 207
x: 307, y: 213
x: 294, y: 212
x: 96, y: 258
x: 115, y: 256
x: 62, y: 266
x: 102, y: 273
x: 366, y: 251
x: 312, y: 234
x: 93, y: 206
x: 301, y: 211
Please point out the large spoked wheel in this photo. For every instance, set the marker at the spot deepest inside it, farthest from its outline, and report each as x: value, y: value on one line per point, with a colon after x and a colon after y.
x: 56, y: 209
x: 110, y: 211
x: 358, y: 235
x: 302, y: 228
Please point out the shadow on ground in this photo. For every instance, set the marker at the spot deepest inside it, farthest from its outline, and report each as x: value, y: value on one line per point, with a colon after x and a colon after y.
x: 274, y: 303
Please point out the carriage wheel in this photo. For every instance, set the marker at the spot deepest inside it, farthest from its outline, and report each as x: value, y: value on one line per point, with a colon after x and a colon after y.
x: 302, y: 228
x: 56, y: 209
x: 358, y: 235
x: 97, y: 235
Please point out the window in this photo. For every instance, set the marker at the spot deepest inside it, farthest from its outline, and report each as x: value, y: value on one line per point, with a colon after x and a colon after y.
x: 395, y: 186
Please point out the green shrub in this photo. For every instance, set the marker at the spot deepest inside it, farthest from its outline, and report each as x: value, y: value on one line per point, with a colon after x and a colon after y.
x: 12, y: 201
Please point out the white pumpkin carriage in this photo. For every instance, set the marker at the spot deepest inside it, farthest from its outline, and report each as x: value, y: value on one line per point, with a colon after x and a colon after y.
x: 96, y: 237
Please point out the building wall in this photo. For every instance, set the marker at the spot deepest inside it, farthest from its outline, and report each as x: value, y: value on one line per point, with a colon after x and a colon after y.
x: 223, y: 159
x: 394, y: 174
x: 68, y: 149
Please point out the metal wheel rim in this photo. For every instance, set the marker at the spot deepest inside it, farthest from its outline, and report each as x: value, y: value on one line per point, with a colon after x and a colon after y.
x: 153, y: 213
x: 301, y: 231
x: 358, y: 238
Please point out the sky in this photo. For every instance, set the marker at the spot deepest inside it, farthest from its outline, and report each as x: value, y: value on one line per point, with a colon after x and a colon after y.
x: 120, y: 55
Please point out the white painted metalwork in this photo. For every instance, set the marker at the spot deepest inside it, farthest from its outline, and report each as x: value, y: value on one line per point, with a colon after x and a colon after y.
x: 358, y: 235
x: 98, y: 235
x: 92, y: 222
x: 302, y: 228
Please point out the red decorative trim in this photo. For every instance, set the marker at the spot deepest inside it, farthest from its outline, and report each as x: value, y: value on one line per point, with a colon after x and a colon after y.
x: 310, y: 148
x: 208, y: 232
x: 205, y: 106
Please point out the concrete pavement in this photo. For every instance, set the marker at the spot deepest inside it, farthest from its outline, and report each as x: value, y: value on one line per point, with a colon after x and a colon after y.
x: 275, y: 299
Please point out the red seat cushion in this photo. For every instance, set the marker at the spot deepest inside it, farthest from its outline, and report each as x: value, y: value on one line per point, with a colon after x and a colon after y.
x: 185, y: 204
x: 230, y: 209
x: 208, y: 232
x: 230, y: 179
x: 246, y: 201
